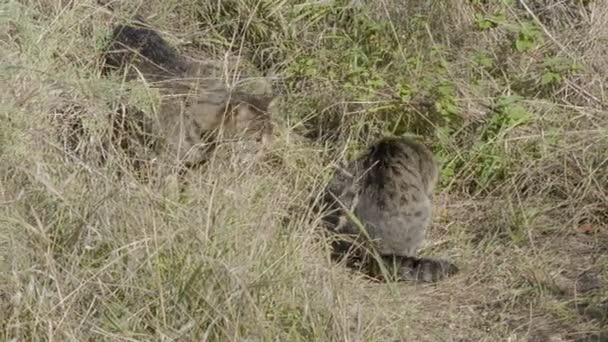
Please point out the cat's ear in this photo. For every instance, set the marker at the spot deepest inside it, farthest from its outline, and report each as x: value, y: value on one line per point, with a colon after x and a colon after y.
x: 267, y: 102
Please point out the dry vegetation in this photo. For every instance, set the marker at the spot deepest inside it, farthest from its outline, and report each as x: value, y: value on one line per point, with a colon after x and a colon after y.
x: 512, y: 97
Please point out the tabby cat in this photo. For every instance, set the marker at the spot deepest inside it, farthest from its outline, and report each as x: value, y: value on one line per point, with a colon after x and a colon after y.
x: 381, y: 206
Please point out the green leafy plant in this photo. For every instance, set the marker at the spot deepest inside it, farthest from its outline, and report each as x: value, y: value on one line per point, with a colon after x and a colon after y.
x: 491, y: 160
x: 486, y: 22
x: 527, y: 36
x: 555, y: 69
x: 483, y: 59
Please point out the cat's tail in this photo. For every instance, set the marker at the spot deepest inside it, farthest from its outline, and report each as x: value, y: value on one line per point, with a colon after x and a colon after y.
x: 426, y: 270
x: 139, y: 41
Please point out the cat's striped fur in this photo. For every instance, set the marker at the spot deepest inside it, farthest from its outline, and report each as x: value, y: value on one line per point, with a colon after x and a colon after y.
x: 388, y: 190
x: 196, y: 109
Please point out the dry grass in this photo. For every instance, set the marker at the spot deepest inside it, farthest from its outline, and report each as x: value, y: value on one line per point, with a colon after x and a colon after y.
x: 91, y: 251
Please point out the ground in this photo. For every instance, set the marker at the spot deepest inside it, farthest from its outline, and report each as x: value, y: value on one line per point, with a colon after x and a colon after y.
x: 509, y: 94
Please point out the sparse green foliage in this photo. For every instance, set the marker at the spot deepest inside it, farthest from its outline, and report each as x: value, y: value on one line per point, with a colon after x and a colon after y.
x: 445, y: 104
x: 488, y: 22
x: 482, y: 59
x: 528, y: 36
x: 492, y: 159
x: 555, y: 69
x: 508, y: 114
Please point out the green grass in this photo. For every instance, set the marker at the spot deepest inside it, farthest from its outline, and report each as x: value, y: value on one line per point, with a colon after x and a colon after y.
x: 511, y: 99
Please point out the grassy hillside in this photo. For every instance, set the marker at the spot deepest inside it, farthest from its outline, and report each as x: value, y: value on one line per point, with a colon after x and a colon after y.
x: 510, y: 94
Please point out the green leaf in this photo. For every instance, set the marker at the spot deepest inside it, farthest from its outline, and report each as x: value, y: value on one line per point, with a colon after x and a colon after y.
x: 523, y: 43
x: 481, y: 58
x: 550, y: 77
x: 517, y: 115
x: 488, y: 22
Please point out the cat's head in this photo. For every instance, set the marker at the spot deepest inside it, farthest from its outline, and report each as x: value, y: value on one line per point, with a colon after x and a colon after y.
x: 250, y: 116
